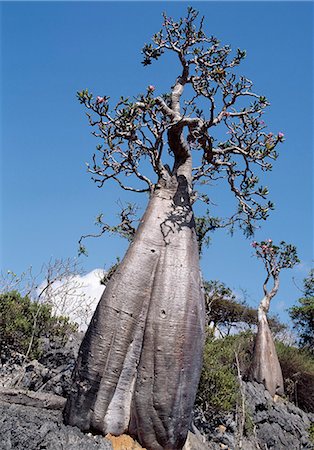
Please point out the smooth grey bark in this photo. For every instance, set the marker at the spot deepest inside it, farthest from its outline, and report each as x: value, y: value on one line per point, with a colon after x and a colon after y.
x: 139, y: 364
x: 265, y: 367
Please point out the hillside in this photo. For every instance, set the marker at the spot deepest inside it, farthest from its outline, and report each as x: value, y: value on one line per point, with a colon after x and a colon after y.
x: 32, y: 419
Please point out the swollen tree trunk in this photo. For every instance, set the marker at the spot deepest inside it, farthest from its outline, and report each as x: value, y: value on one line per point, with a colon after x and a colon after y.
x: 265, y: 367
x: 139, y: 364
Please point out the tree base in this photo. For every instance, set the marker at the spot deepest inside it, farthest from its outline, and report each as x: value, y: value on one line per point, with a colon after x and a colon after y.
x: 265, y: 367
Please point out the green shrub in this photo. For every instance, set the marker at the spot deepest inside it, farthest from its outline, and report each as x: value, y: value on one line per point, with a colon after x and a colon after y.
x: 298, y: 372
x: 23, y: 320
x: 302, y: 314
x: 218, y: 388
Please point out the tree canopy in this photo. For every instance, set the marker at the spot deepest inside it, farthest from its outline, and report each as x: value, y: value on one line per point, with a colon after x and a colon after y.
x: 275, y: 258
x: 137, y: 129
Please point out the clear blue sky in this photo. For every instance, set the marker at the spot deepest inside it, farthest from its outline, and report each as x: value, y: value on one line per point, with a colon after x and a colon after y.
x: 51, y: 50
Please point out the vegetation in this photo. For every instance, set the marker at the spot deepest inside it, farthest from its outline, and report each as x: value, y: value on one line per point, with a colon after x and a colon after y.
x: 225, y: 312
x: 298, y: 373
x: 23, y: 324
x: 302, y: 315
x: 218, y: 387
x: 57, y: 284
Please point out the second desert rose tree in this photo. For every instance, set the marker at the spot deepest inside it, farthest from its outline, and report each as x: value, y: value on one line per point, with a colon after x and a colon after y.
x: 265, y: 367
x: 139, y: 364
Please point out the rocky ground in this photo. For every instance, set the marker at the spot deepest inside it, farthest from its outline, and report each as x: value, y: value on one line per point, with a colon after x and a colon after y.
x: 263, y: 424
x: 269, y: 424
x: 32, y: 428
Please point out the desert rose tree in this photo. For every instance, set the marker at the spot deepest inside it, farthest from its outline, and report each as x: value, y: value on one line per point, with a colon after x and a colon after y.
x: 265, y: 367
x: 139, y: 364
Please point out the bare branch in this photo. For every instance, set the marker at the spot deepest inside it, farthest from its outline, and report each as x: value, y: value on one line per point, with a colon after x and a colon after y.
x: 128, y: 216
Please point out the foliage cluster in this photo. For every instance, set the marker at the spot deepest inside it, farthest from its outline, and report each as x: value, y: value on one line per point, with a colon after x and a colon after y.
x: 24, y: 322
x: 276, y: 257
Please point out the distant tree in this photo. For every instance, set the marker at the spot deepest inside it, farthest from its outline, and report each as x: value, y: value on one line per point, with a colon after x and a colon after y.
x: 139, y: 364
x: 225, y: 312
x: 265, y: 367
x: 302, y: 315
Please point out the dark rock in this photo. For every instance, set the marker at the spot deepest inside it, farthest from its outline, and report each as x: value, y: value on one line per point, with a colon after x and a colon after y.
x: 279, y: 425
x: 28, y: 428
x: 51, y: 373
x: 31, y: 398
x: 275, y: 424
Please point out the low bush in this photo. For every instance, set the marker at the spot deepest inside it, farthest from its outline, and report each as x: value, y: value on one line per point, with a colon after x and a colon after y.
x: 218, y: 388
x: 24, y: 322
x: 298, y: 372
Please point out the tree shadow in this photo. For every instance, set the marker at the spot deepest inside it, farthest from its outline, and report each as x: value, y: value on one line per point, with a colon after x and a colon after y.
x: 181, y: 216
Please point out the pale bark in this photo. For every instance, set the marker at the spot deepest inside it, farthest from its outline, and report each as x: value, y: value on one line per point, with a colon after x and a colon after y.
x: 265, y: 367
x: 139, y: 363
